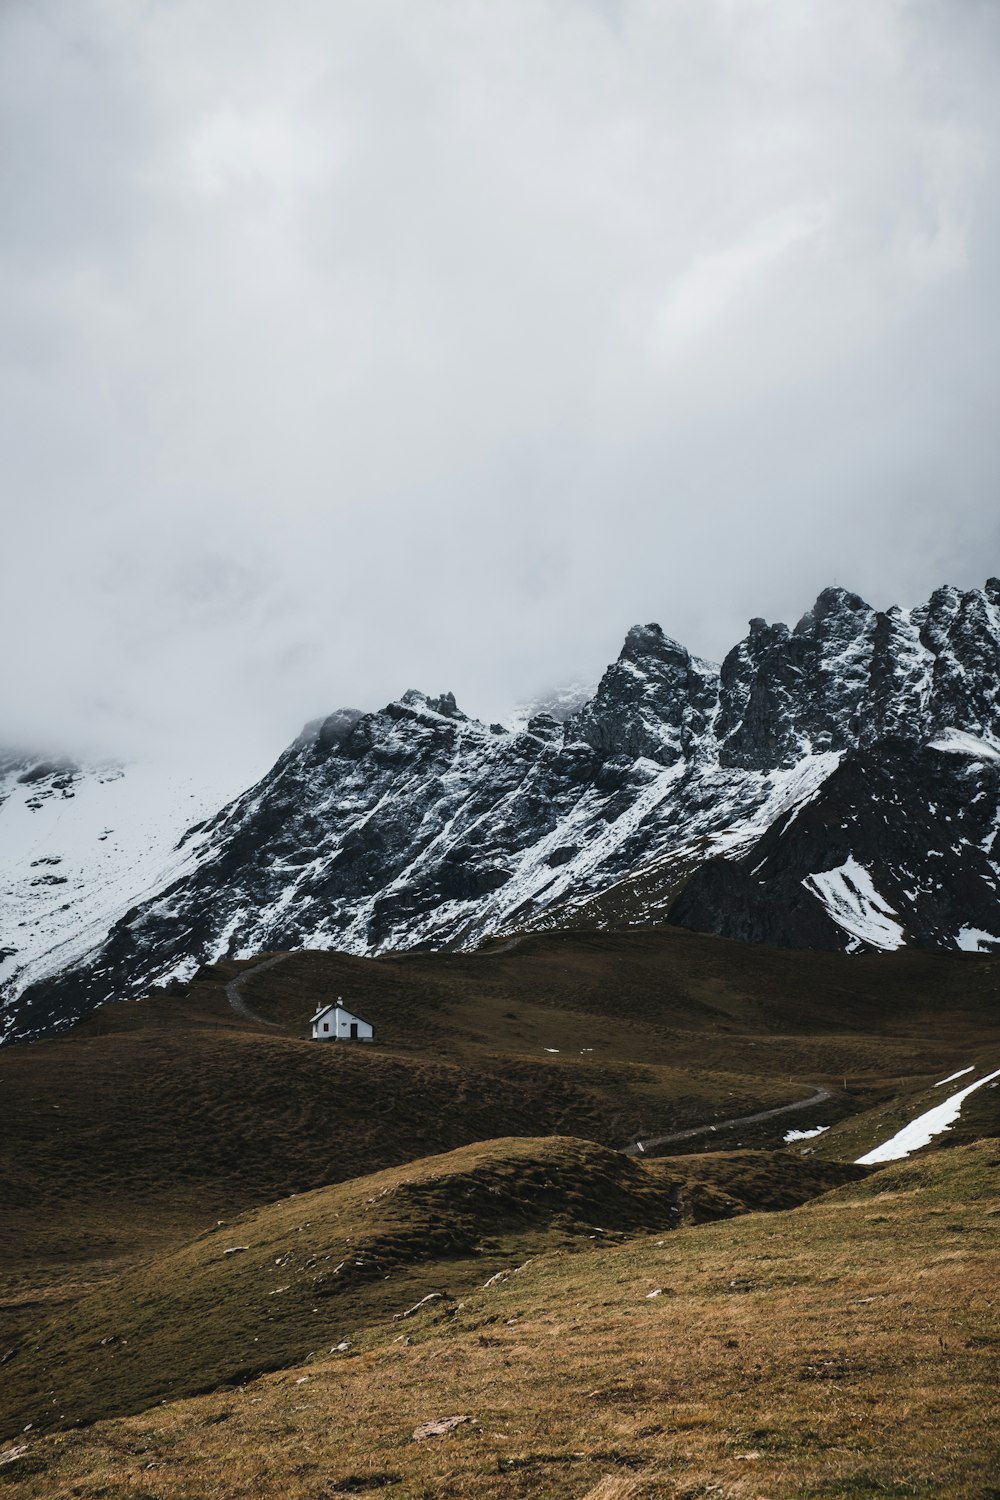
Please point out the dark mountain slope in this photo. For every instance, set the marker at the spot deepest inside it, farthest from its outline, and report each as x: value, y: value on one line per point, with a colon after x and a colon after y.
x: 900, y: 844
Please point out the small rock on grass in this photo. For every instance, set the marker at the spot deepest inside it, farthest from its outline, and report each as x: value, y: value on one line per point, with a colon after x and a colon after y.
x: 431, y: 1297
x: 437, y: 1428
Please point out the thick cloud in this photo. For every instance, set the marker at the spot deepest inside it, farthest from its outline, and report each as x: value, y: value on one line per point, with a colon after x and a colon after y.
x: 357, y: 346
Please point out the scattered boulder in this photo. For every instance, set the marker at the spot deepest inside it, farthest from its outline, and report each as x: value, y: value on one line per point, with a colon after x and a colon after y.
x: 438, y: 1428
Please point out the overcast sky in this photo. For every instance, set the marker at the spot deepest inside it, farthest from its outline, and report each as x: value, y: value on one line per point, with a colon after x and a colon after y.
x: 353, y: 345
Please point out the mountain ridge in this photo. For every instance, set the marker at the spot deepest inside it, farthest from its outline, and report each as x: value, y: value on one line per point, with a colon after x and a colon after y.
x: 417, y: 826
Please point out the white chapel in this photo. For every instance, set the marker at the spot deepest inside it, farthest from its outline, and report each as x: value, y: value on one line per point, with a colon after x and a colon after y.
x: 335, y: 1023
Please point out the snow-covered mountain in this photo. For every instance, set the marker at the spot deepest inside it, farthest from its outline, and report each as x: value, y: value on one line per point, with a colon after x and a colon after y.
x: 81, y: 844
x: 834, y: 785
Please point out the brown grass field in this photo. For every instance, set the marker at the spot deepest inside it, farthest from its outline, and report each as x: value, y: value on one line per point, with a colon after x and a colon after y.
x: 252, y: 1293
x: 846, y: 1348
x: 757, y: 1371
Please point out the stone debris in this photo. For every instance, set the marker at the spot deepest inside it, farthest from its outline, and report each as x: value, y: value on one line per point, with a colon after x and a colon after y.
x: 431, y: 1297
x: 437, y: 1428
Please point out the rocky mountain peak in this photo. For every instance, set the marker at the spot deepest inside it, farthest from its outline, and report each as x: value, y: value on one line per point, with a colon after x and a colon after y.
x: 761, y: 633
x: 650, y: 643
x: 654, y: 701
x: 962, y: 632
x: 785, y: 694
x: 331, y: 731
x: 834, y: 608
x: 545, y: 726
x: 444, y: 706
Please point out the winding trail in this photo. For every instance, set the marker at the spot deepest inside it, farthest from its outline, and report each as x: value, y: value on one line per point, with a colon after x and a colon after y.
x: 636, y: 1148
x: 234, y: 991
x: 234, y: 994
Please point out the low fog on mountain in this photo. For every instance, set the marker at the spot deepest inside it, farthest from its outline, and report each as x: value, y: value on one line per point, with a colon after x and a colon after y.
x: 354, y: 348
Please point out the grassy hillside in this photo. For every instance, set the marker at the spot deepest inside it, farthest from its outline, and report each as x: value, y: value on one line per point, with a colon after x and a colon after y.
x: 615, y: 985
x: 266, y: 1288
x: 845, y: 1349
x: 152, y: 1120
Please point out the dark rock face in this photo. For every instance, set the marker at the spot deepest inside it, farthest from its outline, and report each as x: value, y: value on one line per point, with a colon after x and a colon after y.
x: 833, y: 785
x: 786, y: 693
x: 847, y: 675
x: 655, y: 701
x: 900, y: 845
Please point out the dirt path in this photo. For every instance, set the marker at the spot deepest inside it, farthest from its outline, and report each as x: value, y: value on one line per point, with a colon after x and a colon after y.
x: 636, y: 1148
x: 234, y: 991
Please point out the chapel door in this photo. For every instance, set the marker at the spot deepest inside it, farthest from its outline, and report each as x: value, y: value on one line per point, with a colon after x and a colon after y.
x: 354, y: 1031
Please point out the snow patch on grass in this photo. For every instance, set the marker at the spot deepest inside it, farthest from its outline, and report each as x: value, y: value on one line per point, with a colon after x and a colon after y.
x: 952, y: 1076
x: 922, y: 1130
x: 972, y: 939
